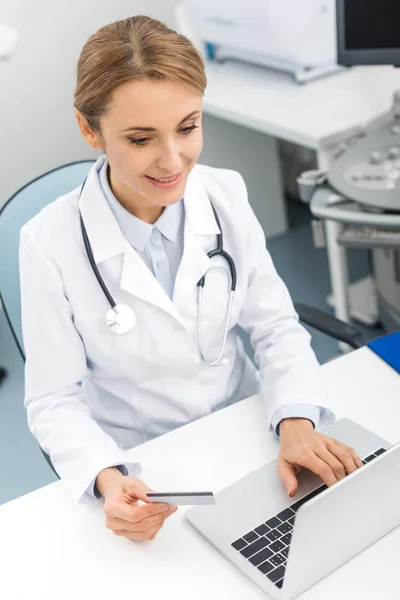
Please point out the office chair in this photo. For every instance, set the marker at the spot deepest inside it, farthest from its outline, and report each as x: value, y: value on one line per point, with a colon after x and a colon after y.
x: 19, y: 209
x: 330, y: 325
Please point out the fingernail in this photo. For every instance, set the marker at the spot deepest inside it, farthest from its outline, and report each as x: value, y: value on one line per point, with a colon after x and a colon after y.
x: 289, y: 490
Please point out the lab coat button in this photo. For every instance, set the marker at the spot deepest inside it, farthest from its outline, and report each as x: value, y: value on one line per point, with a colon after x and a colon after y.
x: 160, y: 263
x: 196, y: 359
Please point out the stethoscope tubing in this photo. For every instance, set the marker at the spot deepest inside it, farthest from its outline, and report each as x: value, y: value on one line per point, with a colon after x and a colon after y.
x: 218, y: 251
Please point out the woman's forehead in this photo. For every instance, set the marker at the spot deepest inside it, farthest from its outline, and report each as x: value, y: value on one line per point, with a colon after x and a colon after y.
x: 152, y: 104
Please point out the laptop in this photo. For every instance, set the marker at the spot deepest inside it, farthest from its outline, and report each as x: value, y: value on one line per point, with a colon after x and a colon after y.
x: 285, y: 545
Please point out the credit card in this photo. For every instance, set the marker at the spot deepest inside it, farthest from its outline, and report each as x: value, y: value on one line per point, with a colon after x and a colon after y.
x: 182, y: 498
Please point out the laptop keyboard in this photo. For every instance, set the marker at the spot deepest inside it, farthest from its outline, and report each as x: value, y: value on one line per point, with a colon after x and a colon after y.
x: 267, y: 546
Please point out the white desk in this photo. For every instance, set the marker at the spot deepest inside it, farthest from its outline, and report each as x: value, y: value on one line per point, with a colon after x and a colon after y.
x: 316, y: 115
x: 52, y: 548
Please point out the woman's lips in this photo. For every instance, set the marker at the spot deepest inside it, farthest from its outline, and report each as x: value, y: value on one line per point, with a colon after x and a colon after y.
x: 166, y: 185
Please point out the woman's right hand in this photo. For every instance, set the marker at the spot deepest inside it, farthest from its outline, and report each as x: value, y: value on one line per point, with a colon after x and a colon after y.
x: 124, y: 516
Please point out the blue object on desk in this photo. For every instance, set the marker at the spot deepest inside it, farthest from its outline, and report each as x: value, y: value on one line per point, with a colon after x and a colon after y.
x: 210, y: 50
x: 388, y: 348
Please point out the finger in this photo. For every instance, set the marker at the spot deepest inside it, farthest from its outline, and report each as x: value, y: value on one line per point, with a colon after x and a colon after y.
x: 287, y: 473
x: 357, y: 460
x: 312, y: 462
x: 121, y: 524
x: 343, y: 454
x: 132, y: 513
x: 154, y: 520
x: 330, y: 459
x: 138, y: 535
x: 137, y: 488
x: 355, y: 457
x: 144, y: 513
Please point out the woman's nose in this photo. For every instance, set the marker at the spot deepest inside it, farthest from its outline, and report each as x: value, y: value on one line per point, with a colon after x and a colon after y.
x: 170, y: 159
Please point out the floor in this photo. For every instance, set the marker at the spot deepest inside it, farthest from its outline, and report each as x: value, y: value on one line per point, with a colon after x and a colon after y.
x: 305, y: 272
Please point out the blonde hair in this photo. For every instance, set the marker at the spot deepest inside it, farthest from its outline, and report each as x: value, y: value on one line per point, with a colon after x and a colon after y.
x: 137, y: 48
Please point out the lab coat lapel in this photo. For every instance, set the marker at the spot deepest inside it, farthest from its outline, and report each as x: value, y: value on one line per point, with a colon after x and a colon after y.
x: 199, y: 224
x: 107, y: 241
x: 137, y: 279
x: 193, y: 266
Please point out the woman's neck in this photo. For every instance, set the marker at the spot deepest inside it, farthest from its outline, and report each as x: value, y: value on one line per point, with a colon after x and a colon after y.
x: 134, y: 203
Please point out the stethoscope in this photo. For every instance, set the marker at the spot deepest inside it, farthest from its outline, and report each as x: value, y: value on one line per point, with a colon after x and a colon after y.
x: 121, y: 319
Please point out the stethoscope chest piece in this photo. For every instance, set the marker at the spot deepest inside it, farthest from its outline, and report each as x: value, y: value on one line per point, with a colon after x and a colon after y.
x: 120, y: 319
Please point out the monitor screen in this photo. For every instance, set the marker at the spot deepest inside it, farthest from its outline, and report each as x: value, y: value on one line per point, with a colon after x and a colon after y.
x: 372, y: 24
x: 368, y: 31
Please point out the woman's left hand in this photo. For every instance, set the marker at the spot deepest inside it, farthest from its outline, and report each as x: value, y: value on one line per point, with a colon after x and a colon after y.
x: 301, y: 446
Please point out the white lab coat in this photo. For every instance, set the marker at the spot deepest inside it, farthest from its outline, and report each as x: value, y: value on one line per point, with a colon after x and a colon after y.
x: 92, y: 394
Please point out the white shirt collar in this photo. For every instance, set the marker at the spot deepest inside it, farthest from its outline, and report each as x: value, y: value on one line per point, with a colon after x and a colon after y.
x: 136, y: 231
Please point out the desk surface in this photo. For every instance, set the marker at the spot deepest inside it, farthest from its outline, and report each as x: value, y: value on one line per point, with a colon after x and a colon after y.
x: 51, y: 547
x: 314, y: 115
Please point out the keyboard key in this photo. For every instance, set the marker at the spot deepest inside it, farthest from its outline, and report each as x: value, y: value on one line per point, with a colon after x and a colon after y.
x: 370, y: 457
x: 260, y: 557
x: 286, y: 514
x: 292, y: 520
x: 265, y: 567
x: 276, y: 546
x: 279, y: 584
x: 285, y: 552
x: 286, y: 539
x: 250, y: 537
x: 276, y: 575
x: 299, y: 503
x: 277, y: 560
x: 273, y: 535
x: 274, y: 522
x: 380, y: 451
x: 254, y: 547
x: 285, y: 527
x: 364, y: 462
x: 262, y: 529
x: 239, y: 544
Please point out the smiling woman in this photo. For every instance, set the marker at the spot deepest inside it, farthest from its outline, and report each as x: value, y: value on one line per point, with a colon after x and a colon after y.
x: 146, y: 113
x: 178, y: 249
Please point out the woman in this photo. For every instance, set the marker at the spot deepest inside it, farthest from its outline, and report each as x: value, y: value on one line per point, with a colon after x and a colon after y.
x: 94, y: 390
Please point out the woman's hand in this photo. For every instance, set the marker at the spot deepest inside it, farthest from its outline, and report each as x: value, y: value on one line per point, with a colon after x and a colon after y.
x: 123, y: 514
x: 301, y: 446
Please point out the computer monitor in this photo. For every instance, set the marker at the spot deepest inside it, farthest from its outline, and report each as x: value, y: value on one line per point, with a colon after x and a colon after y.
x: 368, y: 32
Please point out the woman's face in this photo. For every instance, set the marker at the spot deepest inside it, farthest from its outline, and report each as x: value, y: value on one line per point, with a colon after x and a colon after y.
x: 152, y: 137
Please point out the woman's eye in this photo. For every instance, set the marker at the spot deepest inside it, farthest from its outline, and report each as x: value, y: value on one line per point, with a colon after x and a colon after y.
x: 139, y: 141
x: 188, y: 130
x: 145, y: 141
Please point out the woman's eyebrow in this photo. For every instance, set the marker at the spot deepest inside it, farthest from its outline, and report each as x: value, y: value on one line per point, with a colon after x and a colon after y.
x: 192, y: 114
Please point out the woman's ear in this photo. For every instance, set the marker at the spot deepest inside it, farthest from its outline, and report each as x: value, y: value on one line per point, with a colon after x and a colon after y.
x: 91, y: 137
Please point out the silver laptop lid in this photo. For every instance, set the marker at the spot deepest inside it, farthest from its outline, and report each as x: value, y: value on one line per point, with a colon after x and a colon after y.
x: 342, y: 521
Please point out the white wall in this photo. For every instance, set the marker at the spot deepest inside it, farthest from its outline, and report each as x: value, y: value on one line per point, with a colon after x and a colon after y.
x: 255, y: 156
x: 37, y: 125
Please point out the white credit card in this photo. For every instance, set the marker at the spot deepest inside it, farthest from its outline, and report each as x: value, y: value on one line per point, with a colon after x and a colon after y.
x: 182, y: 498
